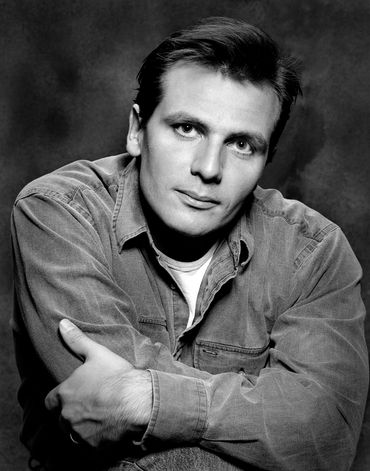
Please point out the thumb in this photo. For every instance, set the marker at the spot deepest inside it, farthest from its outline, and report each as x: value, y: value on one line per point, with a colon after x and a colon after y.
x: 76, y: 340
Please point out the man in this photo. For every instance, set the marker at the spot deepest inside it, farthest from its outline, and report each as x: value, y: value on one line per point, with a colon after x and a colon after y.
x: 221, y: 325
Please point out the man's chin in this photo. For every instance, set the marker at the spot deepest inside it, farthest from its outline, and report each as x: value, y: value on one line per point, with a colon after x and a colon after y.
x: 191, y: 231
x: 194, y: 235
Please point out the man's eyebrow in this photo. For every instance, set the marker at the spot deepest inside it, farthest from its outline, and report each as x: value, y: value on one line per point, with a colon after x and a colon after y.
x: 255, y: 138
x: 185, y: 118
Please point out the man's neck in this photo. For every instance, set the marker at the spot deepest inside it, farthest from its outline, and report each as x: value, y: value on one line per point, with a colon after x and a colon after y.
x: 181, y: 248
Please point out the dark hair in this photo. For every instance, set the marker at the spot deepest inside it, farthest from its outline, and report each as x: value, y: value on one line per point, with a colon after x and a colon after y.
x: 236, y: 49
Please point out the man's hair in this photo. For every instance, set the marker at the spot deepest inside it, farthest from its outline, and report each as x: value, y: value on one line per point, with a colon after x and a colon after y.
x: 236, y: 49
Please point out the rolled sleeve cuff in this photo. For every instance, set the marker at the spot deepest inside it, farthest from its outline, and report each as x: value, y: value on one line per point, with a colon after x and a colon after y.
x: 179, y: 412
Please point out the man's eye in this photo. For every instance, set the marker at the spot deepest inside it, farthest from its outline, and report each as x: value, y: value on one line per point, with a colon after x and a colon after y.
x: 186, y: 130
x: 242, y: 146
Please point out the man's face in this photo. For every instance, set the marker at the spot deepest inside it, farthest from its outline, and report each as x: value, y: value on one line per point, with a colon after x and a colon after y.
x: 204, y: 148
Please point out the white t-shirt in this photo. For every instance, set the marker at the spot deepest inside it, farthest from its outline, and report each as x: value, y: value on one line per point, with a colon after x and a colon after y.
x: 189, y: 276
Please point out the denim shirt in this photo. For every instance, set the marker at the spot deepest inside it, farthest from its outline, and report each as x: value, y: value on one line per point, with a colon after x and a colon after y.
x: 272, y: 373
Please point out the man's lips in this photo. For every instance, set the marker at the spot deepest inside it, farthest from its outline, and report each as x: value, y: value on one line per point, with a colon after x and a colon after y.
x: 197, y: 200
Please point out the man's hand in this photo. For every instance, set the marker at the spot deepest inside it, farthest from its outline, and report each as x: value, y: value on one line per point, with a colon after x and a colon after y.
x: 106, y: 398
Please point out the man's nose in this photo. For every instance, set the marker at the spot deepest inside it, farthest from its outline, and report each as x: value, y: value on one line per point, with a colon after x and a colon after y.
x: 208, y: 162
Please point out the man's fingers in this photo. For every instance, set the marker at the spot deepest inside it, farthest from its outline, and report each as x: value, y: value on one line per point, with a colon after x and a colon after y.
x: 76, y: 340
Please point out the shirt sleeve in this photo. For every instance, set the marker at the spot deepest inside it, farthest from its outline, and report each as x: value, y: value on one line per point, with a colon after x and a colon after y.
x: 305, y: 408
x: 61, y: 271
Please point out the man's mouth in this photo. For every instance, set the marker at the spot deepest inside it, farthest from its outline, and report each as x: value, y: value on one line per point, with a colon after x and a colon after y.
x: 196, y: 200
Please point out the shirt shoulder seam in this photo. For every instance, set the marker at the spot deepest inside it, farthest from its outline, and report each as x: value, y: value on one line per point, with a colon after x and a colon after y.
x: 309, y: 248
x: 317, y: 236
x: 67, y: 198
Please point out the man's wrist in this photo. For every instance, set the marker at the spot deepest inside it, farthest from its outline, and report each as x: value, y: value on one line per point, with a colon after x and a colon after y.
x: 137, y: 399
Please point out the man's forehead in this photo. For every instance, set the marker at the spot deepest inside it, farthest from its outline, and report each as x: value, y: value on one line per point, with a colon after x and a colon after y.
x: 189, y: 87
x: 170, y: 79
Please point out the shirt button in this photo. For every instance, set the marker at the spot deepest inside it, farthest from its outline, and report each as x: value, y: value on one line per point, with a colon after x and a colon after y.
x: 173, y: 287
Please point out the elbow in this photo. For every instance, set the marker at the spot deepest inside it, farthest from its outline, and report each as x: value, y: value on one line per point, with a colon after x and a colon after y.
x: 318, y: 436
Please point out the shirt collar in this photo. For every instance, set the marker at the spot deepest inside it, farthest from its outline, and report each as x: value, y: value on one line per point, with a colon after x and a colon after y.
x: 128, y: 217
x: 129, y: 221
x: 240, y: 239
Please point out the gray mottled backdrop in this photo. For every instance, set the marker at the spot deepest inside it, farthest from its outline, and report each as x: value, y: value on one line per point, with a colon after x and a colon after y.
x: 67, y: 79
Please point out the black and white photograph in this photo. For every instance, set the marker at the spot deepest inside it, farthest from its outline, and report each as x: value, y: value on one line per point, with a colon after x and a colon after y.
x: 185, y: 213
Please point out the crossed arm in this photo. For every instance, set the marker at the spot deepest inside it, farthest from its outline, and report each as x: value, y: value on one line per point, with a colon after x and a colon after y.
x: 303, y: 410
x: 105, y: 399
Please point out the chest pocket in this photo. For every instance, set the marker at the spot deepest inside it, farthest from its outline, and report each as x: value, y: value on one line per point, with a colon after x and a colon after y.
x: 155, y: 329
x: 220, y: 358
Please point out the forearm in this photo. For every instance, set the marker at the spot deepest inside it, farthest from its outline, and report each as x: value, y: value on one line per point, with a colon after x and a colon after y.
x: 278, y: 421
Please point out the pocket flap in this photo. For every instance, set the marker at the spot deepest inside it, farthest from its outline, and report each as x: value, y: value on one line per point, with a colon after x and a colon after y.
x: 220, y: 358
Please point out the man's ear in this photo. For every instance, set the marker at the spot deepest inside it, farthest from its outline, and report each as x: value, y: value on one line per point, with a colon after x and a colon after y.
x: 134, y: 135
